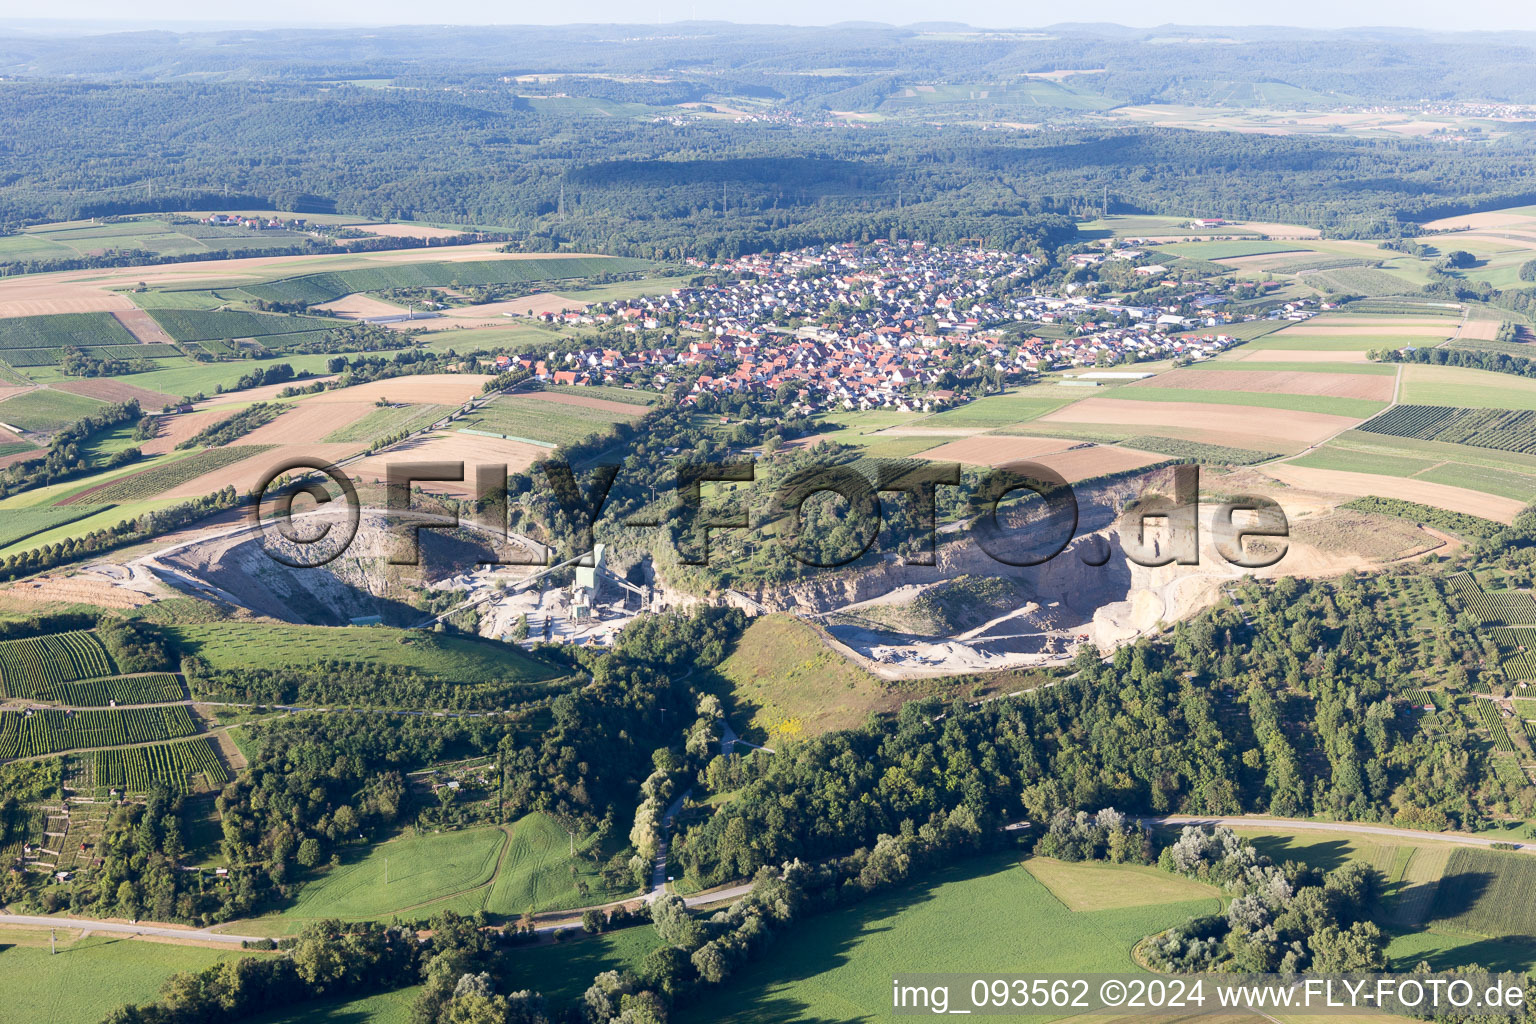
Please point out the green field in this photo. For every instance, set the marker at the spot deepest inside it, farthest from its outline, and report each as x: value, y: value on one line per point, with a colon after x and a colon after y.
x: 90, y: 977
x: 1014, y: 406
x: 19, y: 524
x: 632, y: 396
x: 58, y: 330
x: 536, y: 871
x: 213, y: 325
x: 421, y: 869
x: 43, y: 411
x: 388, y: 422
x: 1466, y: 388
x: 168, y: 473
x: 537, y: 420
x: 1357, y: 461
x: 324, y: 287
x: 1222, y: 250
x: 239, y: 644
x: 1487, y: 892
x: 984, y: 915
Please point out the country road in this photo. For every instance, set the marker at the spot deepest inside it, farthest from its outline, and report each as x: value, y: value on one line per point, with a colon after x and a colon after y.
x: 169, y: 931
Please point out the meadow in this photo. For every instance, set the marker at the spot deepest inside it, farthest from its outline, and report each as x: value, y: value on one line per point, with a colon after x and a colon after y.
x: 238, y: 645
x: 421, y: 870
x: 42, y: 987
x: 388, y: 422
x: 783, y: 682
x: 44, y: 412
x: 986, y: 914
x: 549, y: 422
x: 535, y: 872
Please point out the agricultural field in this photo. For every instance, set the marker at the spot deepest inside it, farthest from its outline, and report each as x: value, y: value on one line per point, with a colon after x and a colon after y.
x: 629, y: 396
x: 32, y: 663
x: 1014, y: 406
x: 1367, y: 281
x: 82, y: 330
x: 331, y: 285
x: 167, y: 474
x: 1354, y: 408
x: 387, y: 422
x: 214, y: 325
x: 40, y: 987
x: 1250, y: 378
x: 239, y: 644
x: 45, y: 411
x: 1229, y: 249
x: 17, y: 525
x: 562, y: 422
x: 1488, y: 715
x: 1506, y: 430
x: 1487, y: 892
x: 177, y: 765
x: 1517, y: 651
x: 986, y: 914
x: 1466, y: 388
x: 152, y: 688
x: 1504, y: 607
x: 155, y: 234
x: 27, y: 734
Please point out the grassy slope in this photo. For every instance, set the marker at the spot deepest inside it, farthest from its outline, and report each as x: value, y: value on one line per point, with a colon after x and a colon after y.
x: 47, y: 411
x: 783, y: 682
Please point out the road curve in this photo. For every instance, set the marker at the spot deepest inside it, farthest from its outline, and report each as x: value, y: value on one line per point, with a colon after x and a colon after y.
x: 163, y: 930
x: 1349, y: 827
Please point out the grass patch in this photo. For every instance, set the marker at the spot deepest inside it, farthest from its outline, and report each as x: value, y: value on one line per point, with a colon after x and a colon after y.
x: 18, y: 524
x: 387, y: 422
x: 536, y: 873
x: 1356, y: 461
x: 43, y: 412
x: 631, y: 396
x: 987, y: 914
x: 1466, y: 388
x: 1093, y: 886
x: 89, y: 977
x: 550, y: 422
x: 421, y: 869
x: 239, y: 644
x: 785, y: 683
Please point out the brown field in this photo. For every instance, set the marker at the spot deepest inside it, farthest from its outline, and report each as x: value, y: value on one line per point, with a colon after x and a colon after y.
x: 1457, y: 499
x: 997, y: 449
x: 74, y: 590
x: 1374, y: 387
x: 11, y: 391
x: 246, y: 474
x: 1337, y: 330
x: 357, y: 305
x: 566, y: 398
x: 1490, y: 219
x: 1083, y: 463
x: 117, y: 391
x: 91, y: 291
x: 142, y: 326
x: 308, y: 420
x: 405, y: 230
x: 180, y: 427
x: 451, y: 446
x: 1482, y: 330
x: 1301, y: 355
x: 43, y: 296
x: 1229, y: 421
x: 420, y: 389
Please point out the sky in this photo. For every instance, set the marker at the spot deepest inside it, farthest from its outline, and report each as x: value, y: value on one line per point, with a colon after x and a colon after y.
x: 1474, y: 15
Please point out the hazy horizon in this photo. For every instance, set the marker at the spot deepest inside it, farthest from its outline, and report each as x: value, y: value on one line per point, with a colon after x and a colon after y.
x: 1476, y: 16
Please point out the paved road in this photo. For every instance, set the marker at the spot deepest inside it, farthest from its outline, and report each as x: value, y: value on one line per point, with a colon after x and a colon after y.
x: 164, y: 930
x: 1350, y: 827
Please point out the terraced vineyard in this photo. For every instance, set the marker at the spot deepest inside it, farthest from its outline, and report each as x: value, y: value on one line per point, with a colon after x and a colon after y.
x: 147, y: 689
x: 1421, y: 698
x: 26, y: 734
x: 1507, y: 769
x: 174, y: 764
x: 1502, y: 429
x: 39, y: 661
x: 1488, y: 712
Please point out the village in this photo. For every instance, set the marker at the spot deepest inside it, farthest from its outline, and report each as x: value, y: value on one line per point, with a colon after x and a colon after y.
x: 886, y: 325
